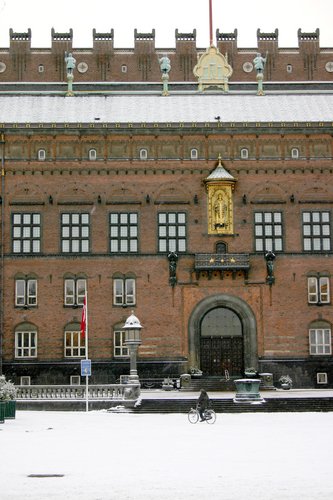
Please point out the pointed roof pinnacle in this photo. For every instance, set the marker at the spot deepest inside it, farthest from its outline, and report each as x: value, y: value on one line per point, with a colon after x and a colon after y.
x: 220, y: 173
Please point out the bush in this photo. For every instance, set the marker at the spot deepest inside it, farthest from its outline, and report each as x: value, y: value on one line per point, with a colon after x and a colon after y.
x: 7, y: 389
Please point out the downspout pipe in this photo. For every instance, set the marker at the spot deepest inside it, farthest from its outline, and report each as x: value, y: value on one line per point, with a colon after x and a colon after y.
x: 2, y: 240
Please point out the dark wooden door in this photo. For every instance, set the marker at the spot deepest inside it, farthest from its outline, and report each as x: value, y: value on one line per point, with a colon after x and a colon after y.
x: 218, y: 354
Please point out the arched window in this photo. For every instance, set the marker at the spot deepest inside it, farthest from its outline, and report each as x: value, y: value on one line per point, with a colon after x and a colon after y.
x: 74, y: 342
x: 194, y: 154
x: 221, y: 247
x: 25, y: 341
x: 41, y: 155
x: 92, y: 154
x: 295, y: 153
x: 244, y: 153
x: 143, y: 153
x: 320, y: 338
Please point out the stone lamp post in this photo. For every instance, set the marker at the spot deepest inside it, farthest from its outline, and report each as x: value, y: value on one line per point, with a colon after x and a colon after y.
x: 132, y: 329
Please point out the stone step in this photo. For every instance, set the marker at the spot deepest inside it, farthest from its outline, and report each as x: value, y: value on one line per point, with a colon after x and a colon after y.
x: 271, y: 405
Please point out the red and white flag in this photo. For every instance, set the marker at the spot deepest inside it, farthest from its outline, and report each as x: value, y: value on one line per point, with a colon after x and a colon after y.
x: 84, y: 318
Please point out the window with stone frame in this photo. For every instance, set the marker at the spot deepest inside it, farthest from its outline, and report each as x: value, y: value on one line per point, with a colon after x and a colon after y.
x: 25, y: 292
x: 143, y: 154
x: 316, y: 231
x: 318, y: 290
x: 124, y: 232
x: 194, y: 154
x: 74, y: 291
x: 119, y: 347
x: 26, y: 233
x: 124, y: 293
x: 92, y: 154
x: 75, y: 233
x: 25, y: 341
x: 75, y: 342
x: 268, y: 231
x: 172, y: 232
x: 320, y: 340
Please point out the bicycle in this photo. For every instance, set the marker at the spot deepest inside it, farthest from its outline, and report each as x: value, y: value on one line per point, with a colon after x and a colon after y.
x: 194, y: 416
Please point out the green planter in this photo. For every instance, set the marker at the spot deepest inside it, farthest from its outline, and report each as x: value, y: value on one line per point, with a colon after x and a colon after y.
x: 2, y: 411
x: 10, y: 408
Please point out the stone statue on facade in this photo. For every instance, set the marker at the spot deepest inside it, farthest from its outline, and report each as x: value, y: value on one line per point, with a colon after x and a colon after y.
x: 165, y: 64
x: 165, y: 69
x: 172, y: 257
x: 259, y: 64
x: 270, y: 257
x: 70, y: 63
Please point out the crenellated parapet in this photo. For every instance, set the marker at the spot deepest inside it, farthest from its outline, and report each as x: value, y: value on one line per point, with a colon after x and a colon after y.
x: 105, y: 62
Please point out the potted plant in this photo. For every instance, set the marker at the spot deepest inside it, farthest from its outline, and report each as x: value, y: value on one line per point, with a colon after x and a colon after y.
x: 8, y: 397
x: 195, y: 372
x: 250, y: 372
x: 286, y: 382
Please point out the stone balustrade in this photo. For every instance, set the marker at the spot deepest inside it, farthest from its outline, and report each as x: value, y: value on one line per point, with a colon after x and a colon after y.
x: 76, y: 392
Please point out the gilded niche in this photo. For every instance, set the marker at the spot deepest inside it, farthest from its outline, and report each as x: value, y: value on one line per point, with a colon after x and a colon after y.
x: 220, y: 185
x: 220, y: 211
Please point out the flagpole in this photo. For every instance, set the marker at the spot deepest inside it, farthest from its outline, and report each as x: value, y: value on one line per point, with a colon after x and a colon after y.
x: 210, y: 23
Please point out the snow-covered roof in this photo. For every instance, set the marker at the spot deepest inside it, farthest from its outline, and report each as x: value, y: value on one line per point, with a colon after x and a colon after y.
x: 135, y: 108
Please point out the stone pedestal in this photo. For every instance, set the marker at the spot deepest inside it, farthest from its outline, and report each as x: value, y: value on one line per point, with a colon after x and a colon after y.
x: 267, y: 382
x: 248, y: 391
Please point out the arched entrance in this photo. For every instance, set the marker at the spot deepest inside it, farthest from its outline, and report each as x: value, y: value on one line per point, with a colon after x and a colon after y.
x: 222, y: 335
x: 221, y: 343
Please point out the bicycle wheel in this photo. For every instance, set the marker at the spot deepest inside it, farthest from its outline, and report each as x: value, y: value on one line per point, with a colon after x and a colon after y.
x: 210, y: 416
x: 193, y: 416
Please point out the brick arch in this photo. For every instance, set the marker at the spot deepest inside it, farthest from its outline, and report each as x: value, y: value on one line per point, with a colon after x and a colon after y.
x: 243, y: 311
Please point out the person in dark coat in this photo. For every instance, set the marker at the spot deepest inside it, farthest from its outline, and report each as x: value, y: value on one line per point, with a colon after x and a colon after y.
x: 202, y: 404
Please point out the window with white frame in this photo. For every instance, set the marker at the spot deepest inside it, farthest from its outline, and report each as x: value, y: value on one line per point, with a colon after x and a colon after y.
x: 25, y: 292
x: 75, y: 343
x: 26, y: 233
x: 124, y: 291
x: 172, y: 232
x: 75, y: 291
x: 244, y: 153
x: 119, y: 347
x: 41, y: 154
x: 143, y: 154
x: 25, y: 380
x: 194, y: 154
x: 295, y: 153
x: 320, y: 341
x: 75, y: 233
x: 316, y: 231
x: 318, y: 290
x: 268, y: 231
x: 123, y: 232
x: 25, y: 343
x: 75, y: 380
x: 124, y: 68
x: 92, y: 154
x: 322, y: 378
x: 289, y: 68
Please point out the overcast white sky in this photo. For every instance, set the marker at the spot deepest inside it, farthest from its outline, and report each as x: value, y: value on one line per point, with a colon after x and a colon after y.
x: 165, y: 16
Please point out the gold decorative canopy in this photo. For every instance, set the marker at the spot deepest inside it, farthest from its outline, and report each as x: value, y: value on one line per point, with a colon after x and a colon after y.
x: 213, y: 70
x: 220, y: 185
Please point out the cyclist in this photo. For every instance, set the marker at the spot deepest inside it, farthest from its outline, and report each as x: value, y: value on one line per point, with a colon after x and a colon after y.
x: 202, y: 404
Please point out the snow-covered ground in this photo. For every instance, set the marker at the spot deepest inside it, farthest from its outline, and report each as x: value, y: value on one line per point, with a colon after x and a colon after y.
x: 118, y: 456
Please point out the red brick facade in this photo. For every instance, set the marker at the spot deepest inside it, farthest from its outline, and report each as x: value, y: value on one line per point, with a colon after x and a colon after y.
x: 155, y: 173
